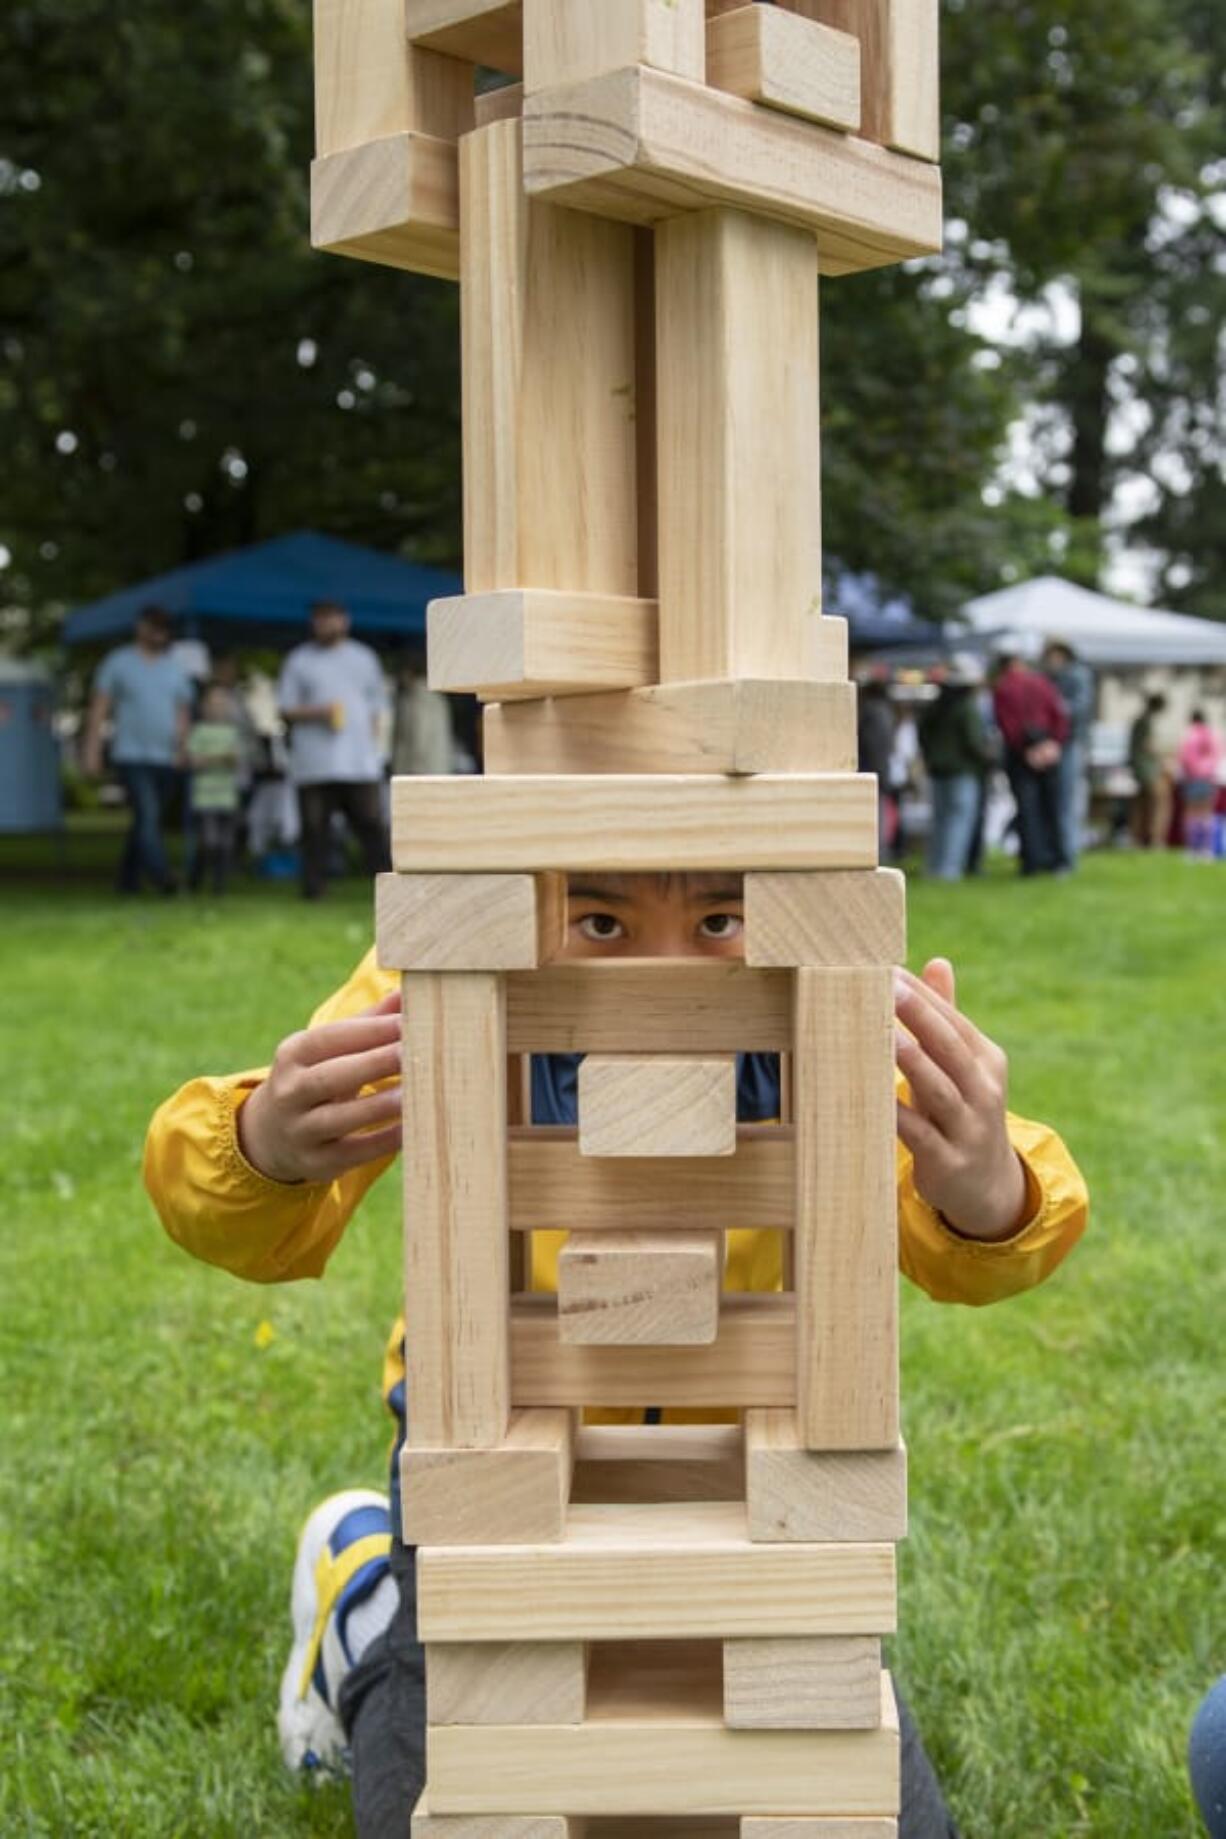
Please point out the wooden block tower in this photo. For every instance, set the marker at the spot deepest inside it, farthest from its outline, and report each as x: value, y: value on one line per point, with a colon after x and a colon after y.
x: 656, y: 1627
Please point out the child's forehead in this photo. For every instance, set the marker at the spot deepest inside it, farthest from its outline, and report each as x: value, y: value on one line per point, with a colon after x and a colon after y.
x: 685, y: 889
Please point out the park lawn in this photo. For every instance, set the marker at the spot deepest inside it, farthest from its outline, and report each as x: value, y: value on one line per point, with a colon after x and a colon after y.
x: 167, y: 1428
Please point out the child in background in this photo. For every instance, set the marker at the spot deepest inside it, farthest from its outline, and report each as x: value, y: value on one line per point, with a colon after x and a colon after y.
x: 214, y: 746
x: 1200, y: 760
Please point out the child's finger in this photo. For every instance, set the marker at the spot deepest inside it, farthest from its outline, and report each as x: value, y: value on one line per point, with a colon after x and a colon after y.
x: 934, y: 1029
x: 371, y: 1146
x: 332, y: 1123
x: 355, y: 1035
x: 916, y: 1132
x: 938, y: 975
x: 330, y: 1080
x: 925, y: 993
x: 934, y: 1093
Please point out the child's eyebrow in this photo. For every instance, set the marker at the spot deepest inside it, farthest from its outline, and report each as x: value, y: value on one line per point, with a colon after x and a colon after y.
x: 595, y: 890
x: 709, y: 897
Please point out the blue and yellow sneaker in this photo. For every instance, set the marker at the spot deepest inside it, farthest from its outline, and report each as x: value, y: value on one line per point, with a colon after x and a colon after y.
x: 343, y: 1595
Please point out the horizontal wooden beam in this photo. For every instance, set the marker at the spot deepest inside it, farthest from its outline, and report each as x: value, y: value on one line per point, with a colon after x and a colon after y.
x: 519, y: 642
x: 774, y: 57
x: 469, y: 922
x: 554, y: 1188
x: 394, y: 201
x: 489, y: 32
x: 649, y: 1005
x: 659, y: 1462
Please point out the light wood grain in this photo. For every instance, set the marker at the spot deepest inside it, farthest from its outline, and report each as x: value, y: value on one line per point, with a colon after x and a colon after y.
x: 426, y: 1825
x: 486, y: 32
x: 506, y: 103
x: 628, y: 1463
x: 657, y: 1105
x: 506, y: 1682
x: 640, y: 1289
x: 554, y: 1188
x: 752, y: 1361
x: 634, y: 822
x: 846, y: 1231
x: 455, y: 1207
x: 530, y: 643
x: 819, y: 1682
x: 624, y: 1573
x: 649, y: 1006
x: 857, y: 919
x: 515, y: 1493
x: 900, y: 67
x: 795, y: 1493
x: 394, y: 201
x: 771, y: 56
x: 370, y: 82
x: 739, y: 446
x: 566, y: 41
x: 548, y: 352
x: 641, y: 146
x: 798, y: 1826
x: 733, y: 727
x: 469, y: 922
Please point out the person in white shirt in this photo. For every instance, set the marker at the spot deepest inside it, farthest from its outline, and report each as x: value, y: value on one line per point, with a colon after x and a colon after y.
x: 332, y: 697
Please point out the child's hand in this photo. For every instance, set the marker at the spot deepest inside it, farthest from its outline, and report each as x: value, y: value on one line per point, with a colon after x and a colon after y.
x: 965, y: 1165
x: 307, y: 1121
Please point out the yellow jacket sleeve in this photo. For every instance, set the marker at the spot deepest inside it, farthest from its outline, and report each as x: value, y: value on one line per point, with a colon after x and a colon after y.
x: 216, y: 1206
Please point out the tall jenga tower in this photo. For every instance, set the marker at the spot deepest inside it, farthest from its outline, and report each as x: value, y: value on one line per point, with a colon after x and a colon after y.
x: 661, y: 1626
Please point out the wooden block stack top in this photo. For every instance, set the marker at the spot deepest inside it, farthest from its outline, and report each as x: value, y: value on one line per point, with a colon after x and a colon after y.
x: 649, y: 1622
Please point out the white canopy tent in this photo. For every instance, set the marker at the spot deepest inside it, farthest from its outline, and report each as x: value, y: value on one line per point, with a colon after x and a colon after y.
x: 1108, y: 634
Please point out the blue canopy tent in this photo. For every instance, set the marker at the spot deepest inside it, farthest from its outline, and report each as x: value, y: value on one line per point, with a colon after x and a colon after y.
x: 877, y: 621
x: 262, y: 595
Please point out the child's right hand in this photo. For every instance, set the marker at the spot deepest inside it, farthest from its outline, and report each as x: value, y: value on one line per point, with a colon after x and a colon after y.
x: 311, y: 1119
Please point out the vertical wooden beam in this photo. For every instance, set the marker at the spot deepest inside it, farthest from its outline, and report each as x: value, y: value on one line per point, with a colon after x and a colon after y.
x: 846, y: 1231
x: 370, y: 82
x: 900, y: 69
x: 457, y: 1288
x: 739, y: 447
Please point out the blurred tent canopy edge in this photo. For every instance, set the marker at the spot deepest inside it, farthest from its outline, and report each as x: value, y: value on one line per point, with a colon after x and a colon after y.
x: 262, y: 595
x: 1106, y: 633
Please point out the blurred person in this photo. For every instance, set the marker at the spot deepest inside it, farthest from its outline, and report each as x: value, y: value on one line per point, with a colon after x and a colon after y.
x: 422, y: 738
x: 1075, y: 682
x: 147, y: 697
x: 1149, y: 805
x: 1207, y: 1760
x: 957, y: 756
x: 214, y: 753
x: 332, y: 697
x: 1200, y: 761
x: 875, y: 745
x: 1034, y: 727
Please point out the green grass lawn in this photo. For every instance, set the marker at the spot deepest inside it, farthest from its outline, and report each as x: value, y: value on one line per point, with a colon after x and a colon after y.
x: 167, y: 1428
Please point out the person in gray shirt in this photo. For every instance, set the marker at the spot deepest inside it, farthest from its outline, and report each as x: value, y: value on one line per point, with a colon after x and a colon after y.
x: 1075, y: 681
x: 146, y: 696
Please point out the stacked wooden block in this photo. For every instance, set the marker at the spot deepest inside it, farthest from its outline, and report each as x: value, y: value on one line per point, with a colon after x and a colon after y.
x: 651, y: 1622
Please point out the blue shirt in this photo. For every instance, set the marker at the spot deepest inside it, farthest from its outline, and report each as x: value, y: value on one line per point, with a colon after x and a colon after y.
x: 146, y: 694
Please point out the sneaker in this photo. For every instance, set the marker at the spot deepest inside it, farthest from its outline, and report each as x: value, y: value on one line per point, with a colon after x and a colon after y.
x: 343, y: 1557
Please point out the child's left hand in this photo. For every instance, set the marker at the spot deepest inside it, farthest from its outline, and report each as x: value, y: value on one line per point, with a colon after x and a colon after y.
x: 954, y: 1126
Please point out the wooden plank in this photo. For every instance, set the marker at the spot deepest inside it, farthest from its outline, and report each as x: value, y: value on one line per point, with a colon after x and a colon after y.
x: 634, y: 822
x: 640, y: 1289
x: 900, y: 67
x: 548, y: 348
x: 857, y: 919
x: 426, y: 1825
x: 469, y: 922
x: 529, y: 643
x: 795, y: 1493
x: 370, y: 82
x: 752, y: 1361
x: 516, y: 1493
x: 488, y: 32
x: 566, y: 41
x: 624, y: 1573
x: 818, y: 1682
x: 774, y: 57
x: 553, y: 1187
x: 649, y: 1753
x: 506, y: 103
x: 817, y: 1826
x: 739, y: 446
x: 454, y: 1081
x: 649, y: 1005
x: 737, y: 727
x: 846, y: 1232
x: 626, y: 1463
x: 640, y: 145
x: 657, y: 1105
x: 394, y: 201
x: 506, y: 1682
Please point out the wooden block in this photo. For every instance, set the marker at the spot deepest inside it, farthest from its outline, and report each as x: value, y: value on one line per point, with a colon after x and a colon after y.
x: 566, y: 41
x: 733, y: 727
x: 469, y: 922
x: 454, y: 1080
x: 818, y: 1682
x: 640, y: 145
x: 739, y: 446
x: 626, y: 1463
x: 427, y: 1825
x: 624, y: 1573
x: 552, y: 1185
x: 506, y: 1682
x: 370, y: 82
x: 752, y: 1361
x: 800, y: 1826
x: 657, y: 1105
x: 795, y: 1493
x: 634, y: 822
x: 649, y: 1005
x: 640, y: 1289
x: 394, y: 201
x: 525, y: 642
x: 655, y: 1743
x: 900, y: 67
x: 514, y: 1494
x: 846, y: 1231
x: 856, y: 919
x: 506, y: 103
x: 768, y: 55
x: 548, y: 348
x: 488, y: 32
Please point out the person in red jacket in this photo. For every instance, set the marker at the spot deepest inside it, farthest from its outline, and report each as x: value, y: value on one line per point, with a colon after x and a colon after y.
x: 1034, y: 726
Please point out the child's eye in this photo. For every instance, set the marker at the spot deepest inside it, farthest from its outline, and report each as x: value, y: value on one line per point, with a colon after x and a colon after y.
x: 721, y: 926
x: 601, y: 927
